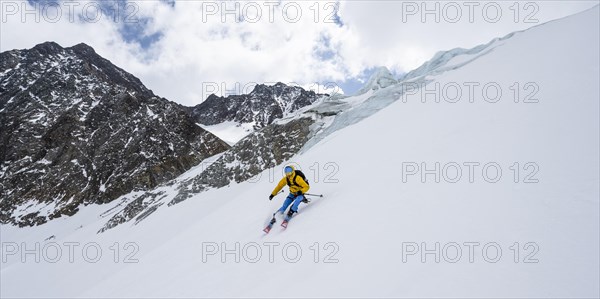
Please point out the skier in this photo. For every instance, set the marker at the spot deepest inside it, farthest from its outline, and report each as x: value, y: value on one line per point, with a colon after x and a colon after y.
x: 298, y: 186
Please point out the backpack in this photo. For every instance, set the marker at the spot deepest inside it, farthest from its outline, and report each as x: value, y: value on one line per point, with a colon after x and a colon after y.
x: 293, y: 182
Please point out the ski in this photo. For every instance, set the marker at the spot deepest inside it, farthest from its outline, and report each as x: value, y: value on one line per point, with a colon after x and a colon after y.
x: 285, y: 222
x: 268, y: 228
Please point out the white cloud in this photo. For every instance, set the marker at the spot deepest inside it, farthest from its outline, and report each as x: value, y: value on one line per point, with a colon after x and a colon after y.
x: 193, y: 51
x: 198, y: 52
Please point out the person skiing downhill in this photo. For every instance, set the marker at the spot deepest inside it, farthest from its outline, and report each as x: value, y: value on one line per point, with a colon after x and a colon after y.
x: 298, y: 186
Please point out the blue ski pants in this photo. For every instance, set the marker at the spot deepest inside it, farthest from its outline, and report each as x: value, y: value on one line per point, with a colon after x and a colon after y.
x: 291, y: 198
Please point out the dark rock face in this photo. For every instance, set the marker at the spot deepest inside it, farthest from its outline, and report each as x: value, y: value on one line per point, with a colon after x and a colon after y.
x: 262, y: 106
x: 75, y: 129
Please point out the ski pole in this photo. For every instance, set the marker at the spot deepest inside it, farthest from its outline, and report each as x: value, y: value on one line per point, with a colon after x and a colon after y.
x: 319, y: 195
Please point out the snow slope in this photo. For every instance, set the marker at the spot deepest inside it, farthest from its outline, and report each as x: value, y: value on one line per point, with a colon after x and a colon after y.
x: 370, y: 217
x: 230, y: 131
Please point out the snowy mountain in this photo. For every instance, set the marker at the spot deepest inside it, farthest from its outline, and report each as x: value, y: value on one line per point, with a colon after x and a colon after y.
x: 235, y: 116
x: 433, y: 188
x: 78, y: 130
x: 89, y: 132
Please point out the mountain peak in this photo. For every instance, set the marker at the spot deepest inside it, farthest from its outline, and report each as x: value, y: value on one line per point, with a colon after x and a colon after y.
x: 263, y: 88
x: 51, y: 47
x: 259, y: 88
x: 48, y: 48
x: 83, y: 49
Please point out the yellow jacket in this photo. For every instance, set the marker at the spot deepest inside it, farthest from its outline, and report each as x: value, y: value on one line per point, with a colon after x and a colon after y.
x: 296, y: 184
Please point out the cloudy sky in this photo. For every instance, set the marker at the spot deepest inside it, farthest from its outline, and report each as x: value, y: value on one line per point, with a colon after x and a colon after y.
x: 184, y: 50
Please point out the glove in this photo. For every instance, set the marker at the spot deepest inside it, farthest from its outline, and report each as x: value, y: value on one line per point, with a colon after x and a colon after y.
x: 298, y: 193
x: 271, y: 196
